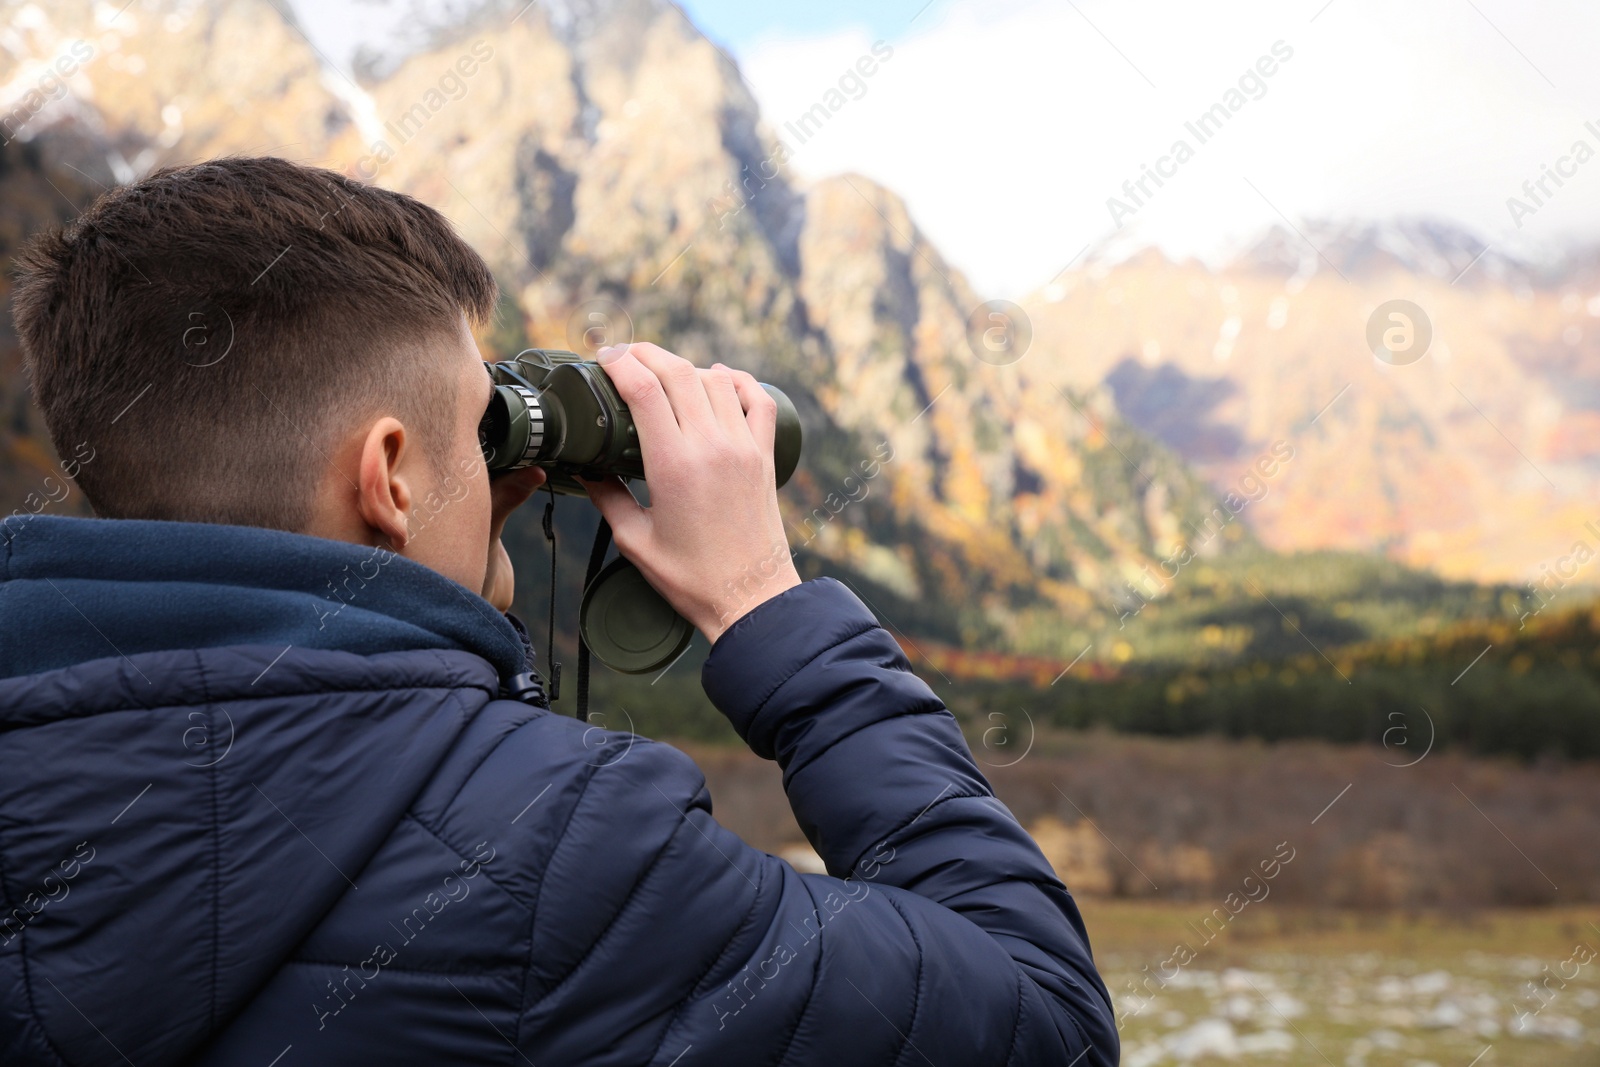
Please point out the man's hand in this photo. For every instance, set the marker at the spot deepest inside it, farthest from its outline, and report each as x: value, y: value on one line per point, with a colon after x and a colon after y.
x: 507, y: 492
x: 711, y: 542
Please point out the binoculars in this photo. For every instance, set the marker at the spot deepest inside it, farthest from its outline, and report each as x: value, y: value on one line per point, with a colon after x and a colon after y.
x: 559, y: 411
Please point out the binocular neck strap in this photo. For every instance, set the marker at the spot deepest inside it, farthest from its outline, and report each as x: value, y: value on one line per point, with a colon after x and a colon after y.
x: 550, y: 647
x: 597, y: 556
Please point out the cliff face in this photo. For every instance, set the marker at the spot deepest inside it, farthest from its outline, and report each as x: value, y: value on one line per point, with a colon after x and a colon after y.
x: 173, y: 80
x: 1012, y: 477
x: 613, y: 167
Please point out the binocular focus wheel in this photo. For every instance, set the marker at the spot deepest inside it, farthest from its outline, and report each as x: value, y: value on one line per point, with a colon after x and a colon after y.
x: 534, y: 413
x: 629, y: 626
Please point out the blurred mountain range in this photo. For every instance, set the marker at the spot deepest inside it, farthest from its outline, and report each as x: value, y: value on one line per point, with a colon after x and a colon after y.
x: 613, y: 167
x: 1479, y: 460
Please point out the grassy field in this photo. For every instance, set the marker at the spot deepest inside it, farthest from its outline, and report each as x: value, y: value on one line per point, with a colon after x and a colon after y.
x: 1353, y: 990
x: 1385, y: 939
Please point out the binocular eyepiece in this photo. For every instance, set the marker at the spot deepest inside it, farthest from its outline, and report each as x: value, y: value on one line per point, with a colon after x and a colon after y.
x: 561, y: 412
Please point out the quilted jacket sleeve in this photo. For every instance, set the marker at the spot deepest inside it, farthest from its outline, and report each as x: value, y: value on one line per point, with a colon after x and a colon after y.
x: 941, y: 937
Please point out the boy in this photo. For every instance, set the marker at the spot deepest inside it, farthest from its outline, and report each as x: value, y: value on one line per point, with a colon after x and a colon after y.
x: 264, y: 798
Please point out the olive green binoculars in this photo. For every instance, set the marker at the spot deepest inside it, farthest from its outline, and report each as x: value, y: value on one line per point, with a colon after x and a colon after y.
x: 559, y: 411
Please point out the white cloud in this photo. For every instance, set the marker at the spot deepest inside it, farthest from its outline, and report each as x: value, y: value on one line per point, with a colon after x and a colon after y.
x: 1008, y: 125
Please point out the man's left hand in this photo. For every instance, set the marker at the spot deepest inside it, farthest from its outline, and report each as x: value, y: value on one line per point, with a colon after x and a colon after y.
x: 507, y: 493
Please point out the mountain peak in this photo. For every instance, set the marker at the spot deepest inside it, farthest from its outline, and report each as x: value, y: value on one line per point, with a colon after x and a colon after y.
x: 1424, y: 246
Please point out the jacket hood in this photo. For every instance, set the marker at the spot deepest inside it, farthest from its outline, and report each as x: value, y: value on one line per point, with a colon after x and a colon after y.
x: 74, y: 589
x: 205, y: 733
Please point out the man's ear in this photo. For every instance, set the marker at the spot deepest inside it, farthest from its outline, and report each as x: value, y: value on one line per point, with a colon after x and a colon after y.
x: 383, y: 495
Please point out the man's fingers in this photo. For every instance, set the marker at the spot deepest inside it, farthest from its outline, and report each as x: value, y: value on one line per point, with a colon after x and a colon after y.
x: 509, y: 491
x: 616, y: 504
x: 725, y: 403
x: 647, y: 401
x: 681, y: 381
x: 761, y: 411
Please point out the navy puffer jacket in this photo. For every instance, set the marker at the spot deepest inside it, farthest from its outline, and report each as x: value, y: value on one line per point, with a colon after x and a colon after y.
x: 262, y: 803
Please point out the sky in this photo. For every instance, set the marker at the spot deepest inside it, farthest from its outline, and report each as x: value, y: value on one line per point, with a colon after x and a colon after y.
x: 1018, y: 131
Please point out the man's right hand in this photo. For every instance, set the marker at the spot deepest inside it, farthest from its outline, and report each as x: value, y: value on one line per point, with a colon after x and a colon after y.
x: 712, y: 540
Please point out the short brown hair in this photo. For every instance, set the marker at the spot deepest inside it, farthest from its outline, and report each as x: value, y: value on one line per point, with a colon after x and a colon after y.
x: 211, y: 331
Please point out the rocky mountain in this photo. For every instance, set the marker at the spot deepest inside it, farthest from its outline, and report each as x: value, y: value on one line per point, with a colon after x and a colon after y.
x: 613, y: 167
x: 154, y: 83
x: 1477, y: 456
